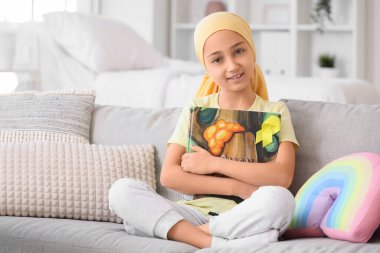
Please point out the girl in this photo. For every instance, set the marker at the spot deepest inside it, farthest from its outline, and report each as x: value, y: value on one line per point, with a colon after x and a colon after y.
x: 224, y: 46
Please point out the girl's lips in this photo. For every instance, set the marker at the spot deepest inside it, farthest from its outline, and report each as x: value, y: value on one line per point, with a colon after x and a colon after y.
x: 235, y: 77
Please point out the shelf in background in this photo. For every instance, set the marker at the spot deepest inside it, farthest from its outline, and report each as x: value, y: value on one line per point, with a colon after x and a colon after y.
x: 313, y: 28
x: 287, y: 41
x: 191, y: 26
x: 284, y: 28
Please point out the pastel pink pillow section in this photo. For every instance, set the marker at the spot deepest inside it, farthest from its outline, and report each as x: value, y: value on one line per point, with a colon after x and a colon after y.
x: 340, y: 201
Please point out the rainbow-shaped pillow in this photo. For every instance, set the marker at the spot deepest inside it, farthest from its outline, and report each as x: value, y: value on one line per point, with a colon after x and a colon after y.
x: 341, y: 201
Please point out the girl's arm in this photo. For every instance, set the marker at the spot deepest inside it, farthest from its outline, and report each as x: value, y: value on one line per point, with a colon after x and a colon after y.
x: 173, y: 176
x: 278, y: 172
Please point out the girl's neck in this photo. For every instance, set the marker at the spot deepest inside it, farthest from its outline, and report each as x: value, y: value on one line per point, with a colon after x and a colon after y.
x: 236, y: 101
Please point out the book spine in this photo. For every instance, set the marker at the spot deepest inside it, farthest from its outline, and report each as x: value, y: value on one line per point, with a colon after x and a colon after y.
x: 189, y: 142
x: 188, y: 149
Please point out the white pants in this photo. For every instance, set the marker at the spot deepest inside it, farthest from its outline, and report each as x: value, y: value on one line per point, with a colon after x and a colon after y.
x: 145, y: 212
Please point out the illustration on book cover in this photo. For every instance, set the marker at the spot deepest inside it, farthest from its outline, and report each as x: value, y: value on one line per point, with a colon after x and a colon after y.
x: 249, y: 136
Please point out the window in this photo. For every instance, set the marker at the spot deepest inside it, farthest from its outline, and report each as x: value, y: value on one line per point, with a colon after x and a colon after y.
x: 17, y: 11
x: 8, y: 82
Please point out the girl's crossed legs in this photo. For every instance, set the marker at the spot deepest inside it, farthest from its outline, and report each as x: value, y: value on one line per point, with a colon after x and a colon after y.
x: 258, y: 219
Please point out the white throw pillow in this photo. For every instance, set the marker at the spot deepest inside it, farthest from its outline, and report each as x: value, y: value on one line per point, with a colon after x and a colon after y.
x: 101, y: 44
x: 62, y: 115
x: 66, y: 180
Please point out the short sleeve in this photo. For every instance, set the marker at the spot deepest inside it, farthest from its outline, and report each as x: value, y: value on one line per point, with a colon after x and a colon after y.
x: 181, y: 132
x: 287, y: 130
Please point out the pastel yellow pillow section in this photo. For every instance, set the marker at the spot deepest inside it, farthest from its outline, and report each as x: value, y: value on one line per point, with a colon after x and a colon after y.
x: 63, y: 180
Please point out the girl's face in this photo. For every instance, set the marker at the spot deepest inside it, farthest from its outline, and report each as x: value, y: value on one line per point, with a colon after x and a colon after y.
x: 229, y: 60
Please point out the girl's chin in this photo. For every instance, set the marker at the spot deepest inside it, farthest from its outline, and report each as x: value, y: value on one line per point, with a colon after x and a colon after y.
x: 239, y: 84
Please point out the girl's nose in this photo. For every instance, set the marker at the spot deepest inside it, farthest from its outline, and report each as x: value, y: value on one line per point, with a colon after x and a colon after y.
x: 232, y: 65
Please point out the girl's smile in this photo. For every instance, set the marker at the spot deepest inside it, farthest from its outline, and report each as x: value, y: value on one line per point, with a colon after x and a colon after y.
x: 235, y: 77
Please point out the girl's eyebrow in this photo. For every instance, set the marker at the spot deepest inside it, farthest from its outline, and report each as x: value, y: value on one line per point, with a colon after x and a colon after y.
x: 219, y: 52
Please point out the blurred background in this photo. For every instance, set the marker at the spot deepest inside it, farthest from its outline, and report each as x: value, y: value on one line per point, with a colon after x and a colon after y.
x: 297, y: 41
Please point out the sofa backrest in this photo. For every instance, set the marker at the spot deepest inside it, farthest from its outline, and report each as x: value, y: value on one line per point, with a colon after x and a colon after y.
x: 118, y: 125
x: 325, y: 131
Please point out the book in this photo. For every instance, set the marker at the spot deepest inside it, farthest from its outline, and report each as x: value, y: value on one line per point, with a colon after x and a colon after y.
x: 248, y: 136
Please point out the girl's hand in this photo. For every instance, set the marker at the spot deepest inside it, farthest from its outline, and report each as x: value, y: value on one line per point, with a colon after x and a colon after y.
x: 198, y: 162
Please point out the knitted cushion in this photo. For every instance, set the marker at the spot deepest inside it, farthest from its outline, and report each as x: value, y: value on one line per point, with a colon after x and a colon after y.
x: 63, y: 180
x: 63, y: 116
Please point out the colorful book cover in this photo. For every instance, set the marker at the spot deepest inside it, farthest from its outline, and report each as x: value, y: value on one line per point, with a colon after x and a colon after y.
x: 248, y: 136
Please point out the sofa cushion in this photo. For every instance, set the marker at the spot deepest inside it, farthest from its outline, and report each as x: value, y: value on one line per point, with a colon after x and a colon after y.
x: 340, y: 200
x: 37, y: 235
x: 118, y: 125
x: 63, y: 180
x: 63, y: 116
x: 47, y: 235
x: 327, y: 131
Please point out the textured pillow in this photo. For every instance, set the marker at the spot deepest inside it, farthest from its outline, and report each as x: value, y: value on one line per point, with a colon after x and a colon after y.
x: 63, y: 180
x: 63, y: 116
x: 101, y: 44
x: 340, y: 201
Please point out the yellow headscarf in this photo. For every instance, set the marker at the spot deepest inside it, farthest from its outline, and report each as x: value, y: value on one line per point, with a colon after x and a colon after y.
x: 225, y: 21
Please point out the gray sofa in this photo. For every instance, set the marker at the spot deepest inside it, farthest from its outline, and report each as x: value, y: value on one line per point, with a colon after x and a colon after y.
x: 325, y: 131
